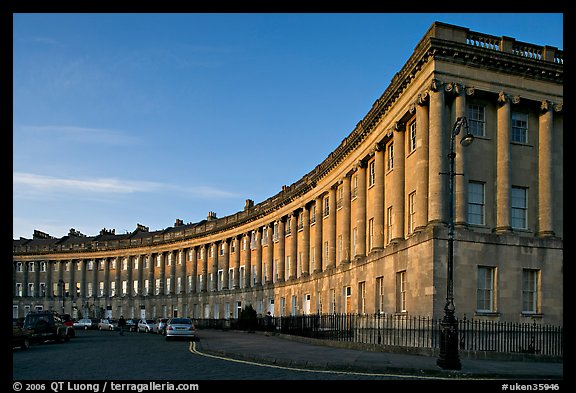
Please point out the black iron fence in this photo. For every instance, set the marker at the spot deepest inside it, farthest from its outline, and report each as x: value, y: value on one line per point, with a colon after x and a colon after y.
x: 415, y: 332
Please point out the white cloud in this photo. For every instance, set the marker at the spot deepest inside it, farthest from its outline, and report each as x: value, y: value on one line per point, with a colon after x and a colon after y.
x: 30, y: 184
x: 83, y: 134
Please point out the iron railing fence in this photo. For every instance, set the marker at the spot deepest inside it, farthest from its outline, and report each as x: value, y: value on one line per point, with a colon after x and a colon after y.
x: 414, y: 332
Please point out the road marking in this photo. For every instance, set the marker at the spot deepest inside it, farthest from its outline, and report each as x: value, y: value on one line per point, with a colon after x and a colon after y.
x: 192, y: 349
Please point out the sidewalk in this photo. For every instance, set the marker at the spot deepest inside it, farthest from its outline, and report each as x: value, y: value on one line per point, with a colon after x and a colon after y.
x: 275, y: 349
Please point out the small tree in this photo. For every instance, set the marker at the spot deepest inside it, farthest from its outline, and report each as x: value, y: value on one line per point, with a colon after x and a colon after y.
x: 248, y: 319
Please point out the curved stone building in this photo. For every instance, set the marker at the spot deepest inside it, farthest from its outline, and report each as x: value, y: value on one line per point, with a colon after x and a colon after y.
x: 365, y: 231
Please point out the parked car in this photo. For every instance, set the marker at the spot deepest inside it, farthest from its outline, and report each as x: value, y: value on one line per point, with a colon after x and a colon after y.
x: 86, y: 323
x: 160, y: 326
x: 108, y: 324
x: 146, y: 325
x: 131, y: 324
x: 47, y: 325
x: 180, y: 328
x: 20, y: 335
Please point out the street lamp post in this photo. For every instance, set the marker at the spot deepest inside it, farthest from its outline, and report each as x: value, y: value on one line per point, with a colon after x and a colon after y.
x: 449, y: 358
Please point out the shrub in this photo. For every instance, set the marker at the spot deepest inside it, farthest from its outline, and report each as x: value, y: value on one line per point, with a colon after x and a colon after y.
x: 248, y: 318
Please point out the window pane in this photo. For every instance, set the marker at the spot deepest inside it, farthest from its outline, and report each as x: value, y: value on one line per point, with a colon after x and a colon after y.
x: 484, y: 289
x: 476, y: 119
x: 529, y: 290
x: 520, y: 127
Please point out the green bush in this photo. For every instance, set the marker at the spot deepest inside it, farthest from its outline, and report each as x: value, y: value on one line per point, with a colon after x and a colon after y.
x: 248, y: 318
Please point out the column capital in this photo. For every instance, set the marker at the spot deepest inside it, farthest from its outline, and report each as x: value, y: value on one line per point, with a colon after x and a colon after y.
x: 558, y: 107
x: 436, y: 85
x: 423, y: 98
x: 451, y: 88
x: 360, y: 164
x: 470, y: 91
x: 503, y: 98
x: 399, y: 126
x: 546, y: 106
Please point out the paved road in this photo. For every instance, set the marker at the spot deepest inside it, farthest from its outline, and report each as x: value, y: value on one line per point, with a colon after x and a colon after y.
x: 223, y: 359
x: 95, y: 355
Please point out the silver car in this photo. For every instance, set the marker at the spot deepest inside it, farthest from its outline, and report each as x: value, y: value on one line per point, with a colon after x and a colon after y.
x: 108, y: 324
x: 180, y: 328
x: 146, y: 325
x: 160, y: 326
x: 86, y: 323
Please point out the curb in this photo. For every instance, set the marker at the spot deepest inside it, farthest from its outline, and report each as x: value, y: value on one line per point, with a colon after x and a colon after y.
x: 367, y: 369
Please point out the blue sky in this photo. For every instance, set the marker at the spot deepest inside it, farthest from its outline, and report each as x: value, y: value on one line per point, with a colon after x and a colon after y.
x: 120, y: 119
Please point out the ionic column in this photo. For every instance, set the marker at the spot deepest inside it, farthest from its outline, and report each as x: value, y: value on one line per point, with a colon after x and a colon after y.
x: 170, y: 290
x: 72, y: 284
x: 236, y: 270
x: 129, y: 285
x: 346, y: 218
x: 37, y: 279
x: 422, y: 169
x: 95, y: 270
x: 398, y: 186
x: 545, y: 173
x: 306, y: 240
x: 293, y: 246
x: 182, y: 275
x: 270, y: 255
x: 117, y: 277
x: 162, y: 258
x: 49, y: 273
x: 194, y: 266
x: 106, y: 262
x: 379, y: 197
x: 437, y: 156
x: 151, y: 266
x: 281, y: 249
x: 461, y: 180
x: 247, y: 261
x: 204, y: 271
x: 62, y: 266
x: 25, y: 278
x: 331, y: 263
x: 258, y: 278
x: 83, y: 280
x: 214, y: 267
x: 361, y: 209
x: 226, y: 263
x: 139, y: 259
x: 183, y: 270
x: 14, y: 264
x: 502, y: 164
x: 318, y: 236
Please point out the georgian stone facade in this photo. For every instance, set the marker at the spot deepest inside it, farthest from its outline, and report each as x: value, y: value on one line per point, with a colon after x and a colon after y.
x: 366, y: 230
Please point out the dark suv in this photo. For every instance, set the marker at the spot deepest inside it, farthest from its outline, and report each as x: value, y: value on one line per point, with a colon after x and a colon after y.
x: 46, y: 325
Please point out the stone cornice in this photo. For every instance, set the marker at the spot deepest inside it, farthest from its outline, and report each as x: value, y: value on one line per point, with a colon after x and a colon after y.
x: 467, y: 52
x: 494, y: 60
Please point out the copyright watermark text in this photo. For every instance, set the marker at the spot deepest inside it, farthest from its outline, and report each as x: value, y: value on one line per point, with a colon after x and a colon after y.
x: 100, y: 387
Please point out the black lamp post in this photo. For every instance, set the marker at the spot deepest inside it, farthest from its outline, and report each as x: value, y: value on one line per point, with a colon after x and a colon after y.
x: 449, y: 358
